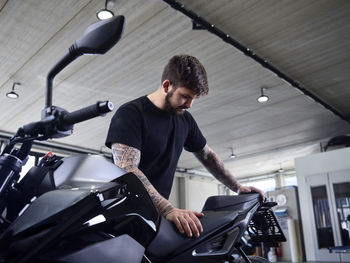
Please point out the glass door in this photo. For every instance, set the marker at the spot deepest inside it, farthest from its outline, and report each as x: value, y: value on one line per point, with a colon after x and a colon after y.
x: 340, y: 182
x: 342, y: 200
x: 322, y: 215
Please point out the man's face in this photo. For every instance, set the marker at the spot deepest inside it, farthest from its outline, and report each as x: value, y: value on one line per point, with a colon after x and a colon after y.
x: 177, y: 100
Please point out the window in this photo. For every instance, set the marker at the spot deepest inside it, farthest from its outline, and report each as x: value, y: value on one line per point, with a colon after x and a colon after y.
x: 263, y: 184
x: 290, y: 180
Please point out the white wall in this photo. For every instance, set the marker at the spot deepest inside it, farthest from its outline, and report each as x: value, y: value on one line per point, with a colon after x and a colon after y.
x: 174, y: 194
x: 190, y: 192
x: 199, y: 190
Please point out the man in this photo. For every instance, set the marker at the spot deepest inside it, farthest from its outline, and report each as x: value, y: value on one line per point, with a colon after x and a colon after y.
x: 148, y: 134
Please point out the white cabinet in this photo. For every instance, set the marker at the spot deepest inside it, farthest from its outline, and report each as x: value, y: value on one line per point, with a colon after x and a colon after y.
x: 324, y: 189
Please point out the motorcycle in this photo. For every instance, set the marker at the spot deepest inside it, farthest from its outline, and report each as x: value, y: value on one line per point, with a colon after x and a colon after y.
x: 84, y: 208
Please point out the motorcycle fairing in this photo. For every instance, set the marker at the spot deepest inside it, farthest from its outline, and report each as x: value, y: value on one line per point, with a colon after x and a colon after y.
x: 66, y: 213
x: 46, y: 219
x: 121, y: 249
x: 47, y: 206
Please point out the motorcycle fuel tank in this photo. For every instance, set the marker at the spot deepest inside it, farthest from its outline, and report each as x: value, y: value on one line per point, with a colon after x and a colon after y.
x: 85, y: 171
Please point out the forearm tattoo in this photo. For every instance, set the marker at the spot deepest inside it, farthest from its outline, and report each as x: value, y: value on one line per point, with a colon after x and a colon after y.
x: 128, y: 158
x: 216, y: 167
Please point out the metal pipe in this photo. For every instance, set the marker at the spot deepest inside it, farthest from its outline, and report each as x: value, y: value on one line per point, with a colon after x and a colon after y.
x: 60, y: 148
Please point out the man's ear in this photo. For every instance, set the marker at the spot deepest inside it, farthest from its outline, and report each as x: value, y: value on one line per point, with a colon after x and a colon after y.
x: 166, y: 86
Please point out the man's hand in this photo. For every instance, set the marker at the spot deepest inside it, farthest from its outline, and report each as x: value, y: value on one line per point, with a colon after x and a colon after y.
x: 186, y: 221
x: 248, y: 189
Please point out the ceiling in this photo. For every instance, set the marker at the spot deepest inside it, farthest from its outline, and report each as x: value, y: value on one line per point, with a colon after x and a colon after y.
x: 306, y: 40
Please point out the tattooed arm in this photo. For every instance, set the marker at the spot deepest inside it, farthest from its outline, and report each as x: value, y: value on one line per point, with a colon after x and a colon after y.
x: 128, y: 158
x: 216, y: 167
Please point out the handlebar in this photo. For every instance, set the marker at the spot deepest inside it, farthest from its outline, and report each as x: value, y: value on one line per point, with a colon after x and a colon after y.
x: 98, y: 109
x: 55, y: 124
x: 35, y: 127
x: 59, y: 122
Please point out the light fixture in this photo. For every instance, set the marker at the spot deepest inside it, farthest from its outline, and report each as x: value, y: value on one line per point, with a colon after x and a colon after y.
x: 263, y: 98
x: 104, y: 13
x: 12, y: 94
x: 280, y: 170
x: 232, y: 155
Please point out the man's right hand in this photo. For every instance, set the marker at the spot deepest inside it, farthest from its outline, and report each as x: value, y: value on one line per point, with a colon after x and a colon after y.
x: 186, y: 221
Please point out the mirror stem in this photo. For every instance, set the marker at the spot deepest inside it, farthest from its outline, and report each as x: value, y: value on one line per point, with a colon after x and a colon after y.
x: 70, y: 56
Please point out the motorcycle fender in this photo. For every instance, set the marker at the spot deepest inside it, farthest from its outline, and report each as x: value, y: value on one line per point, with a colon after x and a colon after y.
x: 121, y: 249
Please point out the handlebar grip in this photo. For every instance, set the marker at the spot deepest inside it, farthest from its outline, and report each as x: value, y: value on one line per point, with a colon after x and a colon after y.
x: 34, y: 128
x: 98, y: 109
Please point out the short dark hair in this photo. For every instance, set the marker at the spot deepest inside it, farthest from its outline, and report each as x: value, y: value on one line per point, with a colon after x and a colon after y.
x: 186, y: 71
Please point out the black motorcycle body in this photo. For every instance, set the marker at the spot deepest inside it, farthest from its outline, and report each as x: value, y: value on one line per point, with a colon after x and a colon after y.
x: 86, y: 205
x: 87, y: 209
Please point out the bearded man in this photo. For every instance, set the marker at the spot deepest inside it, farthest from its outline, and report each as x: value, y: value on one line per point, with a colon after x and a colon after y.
x: 147, y: 136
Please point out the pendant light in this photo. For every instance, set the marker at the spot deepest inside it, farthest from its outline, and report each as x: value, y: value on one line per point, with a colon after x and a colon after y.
x: 12, y: 94
x: 104, y: 13
x: 232, y: 155
x: 262, y: 98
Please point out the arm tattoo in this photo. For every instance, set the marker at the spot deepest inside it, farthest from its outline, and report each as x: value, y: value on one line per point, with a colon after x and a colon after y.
x: 125, y: 157
x: 128, y: 158
x: 216, y: 167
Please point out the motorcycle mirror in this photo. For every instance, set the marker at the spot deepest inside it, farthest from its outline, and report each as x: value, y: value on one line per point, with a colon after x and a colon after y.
x: 97, y: 39
x: 100, y: 36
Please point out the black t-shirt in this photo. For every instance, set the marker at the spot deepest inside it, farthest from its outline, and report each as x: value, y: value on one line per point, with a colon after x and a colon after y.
x: 159, y: 135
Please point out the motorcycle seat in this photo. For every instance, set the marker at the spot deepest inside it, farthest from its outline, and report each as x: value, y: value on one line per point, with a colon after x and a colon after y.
x: 169, y: 241
x: 230, y: 202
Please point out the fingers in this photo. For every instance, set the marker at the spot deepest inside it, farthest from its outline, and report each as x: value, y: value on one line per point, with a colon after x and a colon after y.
x: 244, y: 189
x: 198, y: 214
x: 195, y: 224
x: 186, y: 221
x: 262, y: 194
x: 178, y: 225
x: 248, y: 189
x: 263, y: 197
x: 189, y: 226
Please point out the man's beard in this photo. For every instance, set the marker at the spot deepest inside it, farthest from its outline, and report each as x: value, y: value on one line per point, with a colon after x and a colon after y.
x: 169, y: 108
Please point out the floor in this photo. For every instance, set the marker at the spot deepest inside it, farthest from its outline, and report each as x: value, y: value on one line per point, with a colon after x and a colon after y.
x: 304, y: 262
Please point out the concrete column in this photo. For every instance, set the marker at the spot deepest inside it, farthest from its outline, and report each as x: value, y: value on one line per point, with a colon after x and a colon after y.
x: 183, y: 192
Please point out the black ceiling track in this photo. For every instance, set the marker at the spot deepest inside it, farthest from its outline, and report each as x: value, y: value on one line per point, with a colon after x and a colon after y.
x: 202, y: 23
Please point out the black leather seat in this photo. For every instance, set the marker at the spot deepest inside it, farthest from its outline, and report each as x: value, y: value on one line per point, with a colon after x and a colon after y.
x: 169, y: 240
x: 230, y: 202
x: 219, y: 212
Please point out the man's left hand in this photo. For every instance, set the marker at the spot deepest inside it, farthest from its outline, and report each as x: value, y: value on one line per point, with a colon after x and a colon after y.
x: 248, y: 189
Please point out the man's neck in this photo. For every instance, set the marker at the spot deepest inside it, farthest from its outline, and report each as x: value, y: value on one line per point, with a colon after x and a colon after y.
x: 158, y: 99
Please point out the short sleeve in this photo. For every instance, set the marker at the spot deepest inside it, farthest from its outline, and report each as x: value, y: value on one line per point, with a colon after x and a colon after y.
x: 195, y: 140
x: 125, y: 128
